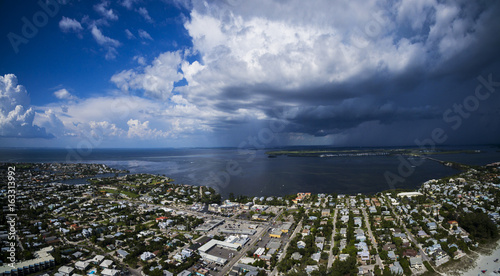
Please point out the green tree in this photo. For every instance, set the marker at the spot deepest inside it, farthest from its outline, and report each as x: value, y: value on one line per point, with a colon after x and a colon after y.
x: 341, y: 268
x: 479, y: 225
x: 261, y: 272
x: 156, y: 272
x: 57, y: 256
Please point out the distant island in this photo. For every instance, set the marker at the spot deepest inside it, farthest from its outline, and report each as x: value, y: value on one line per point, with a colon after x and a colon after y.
x: 363, y: 152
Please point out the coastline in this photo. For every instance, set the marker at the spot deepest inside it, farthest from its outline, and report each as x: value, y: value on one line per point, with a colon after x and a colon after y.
x: 486, y: 262
x: 474, y: 262
x: 137, y: 193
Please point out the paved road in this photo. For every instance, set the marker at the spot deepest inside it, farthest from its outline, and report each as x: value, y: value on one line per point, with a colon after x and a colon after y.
x: 332, y: 242
x: 412, y: 238
x: 372, y: 237
x: 297, y: 229
x: 243, y: 250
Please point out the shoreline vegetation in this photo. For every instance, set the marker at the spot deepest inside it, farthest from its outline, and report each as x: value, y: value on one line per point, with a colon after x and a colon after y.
x: 365, y: 152
x: 412, y: 153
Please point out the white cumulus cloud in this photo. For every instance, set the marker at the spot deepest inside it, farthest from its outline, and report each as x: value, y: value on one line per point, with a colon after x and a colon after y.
x: 16, y: 116
x: 157, y: 79
x: 108, y: 43
x: 103, y: 10
x: 64, y: 94
x: 144, y: 12
x: 138, y: 129
x: 105, y: 129
x: 144, y: 35
x: 129, y: 34
x: 70, y: 25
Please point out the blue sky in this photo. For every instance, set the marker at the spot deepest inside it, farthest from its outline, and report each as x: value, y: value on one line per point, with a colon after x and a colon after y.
x: 177, y: 73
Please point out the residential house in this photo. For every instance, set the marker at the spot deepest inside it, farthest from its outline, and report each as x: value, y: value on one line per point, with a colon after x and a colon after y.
x: 364, y: 255
x: 316, y: 256
x: 416, y: 262
x: 452, y: 223
x: 325, y: 213
x: 110, y: 272
x: 392, y: 255
x: 396, y: 268
x: 106, y: 263
x: 432, y: 225
x: 185, y: 273
x: 301, y: 244
x: 440, y: 257
x: 97, y: 259
x: 296, y: 256
x: 122, y: 253
x: 147, y: 256
x: 311, y: 268
x: 81, y: 265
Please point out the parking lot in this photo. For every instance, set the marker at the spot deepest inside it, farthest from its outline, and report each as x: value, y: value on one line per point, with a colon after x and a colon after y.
x: 237, y: 226
x: 285, y: 237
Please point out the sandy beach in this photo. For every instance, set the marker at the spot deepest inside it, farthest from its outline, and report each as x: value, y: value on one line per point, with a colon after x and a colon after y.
x: 486, y: 262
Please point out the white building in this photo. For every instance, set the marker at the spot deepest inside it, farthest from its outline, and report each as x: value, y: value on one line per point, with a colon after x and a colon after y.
x: 81, y: 265
x: 147, y: 256
x: 110, y: 272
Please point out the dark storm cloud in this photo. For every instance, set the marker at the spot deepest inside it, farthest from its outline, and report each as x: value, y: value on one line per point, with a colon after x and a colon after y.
x: 340, y: 70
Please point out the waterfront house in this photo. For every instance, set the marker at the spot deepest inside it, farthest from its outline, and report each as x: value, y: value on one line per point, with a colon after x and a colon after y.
x: 440, y: 257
